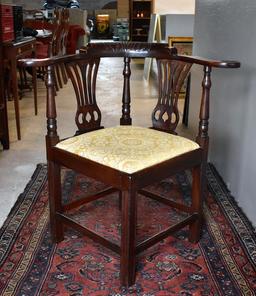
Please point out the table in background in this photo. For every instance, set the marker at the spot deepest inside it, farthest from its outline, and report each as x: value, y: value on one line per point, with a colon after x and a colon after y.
x: 4, y: 132
x: 12, y: 51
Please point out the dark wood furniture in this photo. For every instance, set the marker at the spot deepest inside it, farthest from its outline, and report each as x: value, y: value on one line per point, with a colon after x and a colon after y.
x: 12, y: 51
x: 4, y: 132
x: 127, y: 179
x: 54, y: 44
x: 140, y: 12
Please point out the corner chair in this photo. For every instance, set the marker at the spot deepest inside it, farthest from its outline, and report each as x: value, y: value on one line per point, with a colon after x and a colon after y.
x: 127, y: 158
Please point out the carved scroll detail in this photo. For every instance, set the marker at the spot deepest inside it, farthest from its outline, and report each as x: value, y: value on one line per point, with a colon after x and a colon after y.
x: 83, y: 76
x: 171, y: 76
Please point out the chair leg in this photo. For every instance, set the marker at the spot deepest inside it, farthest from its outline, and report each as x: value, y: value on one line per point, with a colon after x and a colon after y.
x: 34, y: 88
x: 54, y: 187
x: 128, y: 236
x: 22, y: 83
x: 120, y: 200
x: 197, y: 196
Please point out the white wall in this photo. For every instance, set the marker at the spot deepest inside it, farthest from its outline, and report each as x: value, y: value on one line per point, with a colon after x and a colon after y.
x: 179, y: 25
x: 226, y: 30
x: 175, y: 7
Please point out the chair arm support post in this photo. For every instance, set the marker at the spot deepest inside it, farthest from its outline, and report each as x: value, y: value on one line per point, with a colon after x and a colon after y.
x: 52, y: 137
x: 202, y: 137
x: 126, y: 99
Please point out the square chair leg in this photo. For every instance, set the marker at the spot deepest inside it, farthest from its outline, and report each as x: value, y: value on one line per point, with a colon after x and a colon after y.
x: 54, y: 187
x: 196, y: 227
x: 128, y: 238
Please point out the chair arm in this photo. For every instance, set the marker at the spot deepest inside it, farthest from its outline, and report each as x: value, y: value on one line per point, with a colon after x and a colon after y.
x: 45, y: 62
x: 206, y: 62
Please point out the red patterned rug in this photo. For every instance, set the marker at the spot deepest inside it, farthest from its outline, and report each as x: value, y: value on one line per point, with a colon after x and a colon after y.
x: 223, y: 263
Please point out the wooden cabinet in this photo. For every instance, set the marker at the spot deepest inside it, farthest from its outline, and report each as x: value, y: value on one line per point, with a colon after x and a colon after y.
x: 123, y: 8
x: 140, y: 11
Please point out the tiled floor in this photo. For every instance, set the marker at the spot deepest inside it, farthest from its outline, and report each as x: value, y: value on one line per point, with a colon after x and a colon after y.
x: 18, y: 163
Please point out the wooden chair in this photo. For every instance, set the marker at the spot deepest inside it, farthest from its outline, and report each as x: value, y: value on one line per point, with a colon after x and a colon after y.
x: 56, y: 45
x: 127, y: 158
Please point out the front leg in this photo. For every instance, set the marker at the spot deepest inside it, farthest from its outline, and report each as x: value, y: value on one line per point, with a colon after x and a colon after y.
x: 128, y: 238
x: 54, y: 187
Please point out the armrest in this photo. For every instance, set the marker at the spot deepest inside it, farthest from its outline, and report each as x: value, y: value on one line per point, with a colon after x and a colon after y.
x: 207, y: 62
x: 46, y: 62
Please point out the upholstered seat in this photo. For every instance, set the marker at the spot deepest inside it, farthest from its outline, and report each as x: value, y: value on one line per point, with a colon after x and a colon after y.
x: 128, y: 148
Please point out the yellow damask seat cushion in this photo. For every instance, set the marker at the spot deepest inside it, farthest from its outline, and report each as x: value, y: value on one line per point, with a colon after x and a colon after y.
x: 127, y: 148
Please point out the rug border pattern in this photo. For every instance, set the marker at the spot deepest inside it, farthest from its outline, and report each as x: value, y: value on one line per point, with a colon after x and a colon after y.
x: 233, y: 212
x: 21, y: 209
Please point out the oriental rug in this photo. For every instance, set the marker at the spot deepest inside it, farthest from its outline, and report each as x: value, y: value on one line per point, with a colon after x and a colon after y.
x: 222, y: 263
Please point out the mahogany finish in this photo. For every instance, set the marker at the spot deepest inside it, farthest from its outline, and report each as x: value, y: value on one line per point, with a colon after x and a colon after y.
x: 166, y: 114
x: 172, y: 70
x: 4, y: 131
x: 53, y: 44
x: 12, y: 51
x: 58, y: 44
x: 83, y: 75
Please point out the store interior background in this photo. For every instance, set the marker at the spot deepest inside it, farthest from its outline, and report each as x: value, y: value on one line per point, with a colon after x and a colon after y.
x: 222, y: 30
x: 161, y: 6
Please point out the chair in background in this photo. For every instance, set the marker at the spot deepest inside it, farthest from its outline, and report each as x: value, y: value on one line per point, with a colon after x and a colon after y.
x: 54, y: 46
x: 58, y: 46
x: 127, y: 158
x: 12, y: 52
x: 78, y: 33
x: 67, y: 30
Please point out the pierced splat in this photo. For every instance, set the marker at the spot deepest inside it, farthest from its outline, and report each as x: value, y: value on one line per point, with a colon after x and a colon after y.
x: 171, y: 76
x: 83, y: 75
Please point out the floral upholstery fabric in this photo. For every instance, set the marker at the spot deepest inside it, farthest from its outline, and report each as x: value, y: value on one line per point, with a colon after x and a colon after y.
x: 127, y: 148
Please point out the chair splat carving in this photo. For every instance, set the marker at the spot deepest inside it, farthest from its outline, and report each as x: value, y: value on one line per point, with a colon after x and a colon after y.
x: 83, y: 75
x: 171, y: 76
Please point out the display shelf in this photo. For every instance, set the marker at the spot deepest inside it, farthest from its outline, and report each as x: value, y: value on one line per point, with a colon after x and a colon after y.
x: 140, y: 12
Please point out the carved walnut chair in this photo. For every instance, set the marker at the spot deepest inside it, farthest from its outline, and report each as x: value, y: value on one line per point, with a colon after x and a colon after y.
x: 125, y: 157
